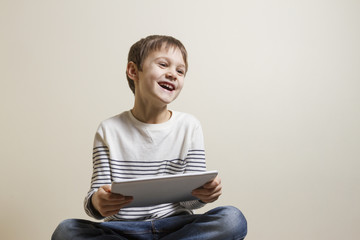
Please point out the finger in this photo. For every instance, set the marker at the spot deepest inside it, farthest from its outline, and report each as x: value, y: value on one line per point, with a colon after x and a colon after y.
x: 212, y: 198
x: 213, y: 183
x: 109, y: 196
x: 208, y: 195
x: 209, y: 198
x: 117, y: 197
x: 106, y: 188
x: 108, y: 210
x: 114, y: 207
x: 117, y: 200
x: 207, y: 191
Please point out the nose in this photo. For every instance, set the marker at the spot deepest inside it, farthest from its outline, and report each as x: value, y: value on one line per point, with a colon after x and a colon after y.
x: 170, y: 75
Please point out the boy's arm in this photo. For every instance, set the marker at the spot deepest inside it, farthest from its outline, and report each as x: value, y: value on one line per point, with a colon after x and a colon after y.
x: 101, y: 173
x: 89, y: 207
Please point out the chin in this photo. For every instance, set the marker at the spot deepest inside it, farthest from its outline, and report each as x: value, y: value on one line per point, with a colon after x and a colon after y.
x: 168, y: 99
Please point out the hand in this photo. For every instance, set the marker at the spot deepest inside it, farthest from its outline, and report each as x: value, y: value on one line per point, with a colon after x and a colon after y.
x: 209, y: 192
x: 108, y: 203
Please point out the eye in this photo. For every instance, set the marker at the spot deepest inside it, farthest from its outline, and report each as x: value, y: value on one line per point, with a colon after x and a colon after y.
x: 181, y: 72
x: 163, y: 64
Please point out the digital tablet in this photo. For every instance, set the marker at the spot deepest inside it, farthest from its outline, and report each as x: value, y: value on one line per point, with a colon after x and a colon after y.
x: 162, y: 189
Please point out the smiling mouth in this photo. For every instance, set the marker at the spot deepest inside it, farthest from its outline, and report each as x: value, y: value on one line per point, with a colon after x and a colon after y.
x: 167, y: 86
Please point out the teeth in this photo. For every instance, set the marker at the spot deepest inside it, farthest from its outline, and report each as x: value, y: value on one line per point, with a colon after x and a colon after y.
x: 167, y: 86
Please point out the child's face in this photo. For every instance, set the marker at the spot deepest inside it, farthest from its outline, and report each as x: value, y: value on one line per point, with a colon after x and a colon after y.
x: 162, y: 76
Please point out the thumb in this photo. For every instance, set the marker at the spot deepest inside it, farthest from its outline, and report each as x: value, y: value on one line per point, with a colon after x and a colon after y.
x: 107, y: 188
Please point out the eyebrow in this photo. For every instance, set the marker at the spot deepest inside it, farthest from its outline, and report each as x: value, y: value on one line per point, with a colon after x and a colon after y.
x: 168, y: 59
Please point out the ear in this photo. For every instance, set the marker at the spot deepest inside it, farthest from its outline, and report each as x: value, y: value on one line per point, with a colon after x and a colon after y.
x: 132, y: 71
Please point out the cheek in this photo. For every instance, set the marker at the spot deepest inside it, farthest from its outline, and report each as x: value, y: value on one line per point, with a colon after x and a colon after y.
x: 155, y: 75
x: 181, y: 84
x: 150, y: 78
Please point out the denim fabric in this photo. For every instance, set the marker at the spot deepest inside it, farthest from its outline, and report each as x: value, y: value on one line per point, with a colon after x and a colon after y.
x: 221, y: 223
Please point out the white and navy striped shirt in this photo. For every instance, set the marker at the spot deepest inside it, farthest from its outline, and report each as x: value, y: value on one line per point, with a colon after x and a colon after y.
x: 125, y: 148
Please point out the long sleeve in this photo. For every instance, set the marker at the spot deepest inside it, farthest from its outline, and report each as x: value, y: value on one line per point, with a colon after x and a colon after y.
x: 196, y: 162
x: 101, y: 172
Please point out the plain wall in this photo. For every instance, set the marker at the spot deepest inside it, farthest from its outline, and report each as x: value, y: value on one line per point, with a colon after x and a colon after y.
x: 274, y: 83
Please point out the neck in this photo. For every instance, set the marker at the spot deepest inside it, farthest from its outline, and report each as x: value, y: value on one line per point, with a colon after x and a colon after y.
x: 151, y: 115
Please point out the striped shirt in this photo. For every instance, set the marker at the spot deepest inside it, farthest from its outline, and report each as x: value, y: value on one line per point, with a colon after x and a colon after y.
x: 125, y: 148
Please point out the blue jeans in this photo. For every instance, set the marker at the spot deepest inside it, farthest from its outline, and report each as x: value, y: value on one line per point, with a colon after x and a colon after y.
x: 221, y: 223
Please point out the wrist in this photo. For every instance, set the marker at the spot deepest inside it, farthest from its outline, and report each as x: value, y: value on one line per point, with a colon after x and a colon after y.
x: 93, y: 209
x: 94, y: 202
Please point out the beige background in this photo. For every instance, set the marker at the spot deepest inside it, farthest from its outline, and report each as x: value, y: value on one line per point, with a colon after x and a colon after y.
x: 274, y: 83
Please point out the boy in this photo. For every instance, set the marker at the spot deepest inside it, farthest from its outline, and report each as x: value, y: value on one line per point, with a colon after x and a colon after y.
x: 151, y: 140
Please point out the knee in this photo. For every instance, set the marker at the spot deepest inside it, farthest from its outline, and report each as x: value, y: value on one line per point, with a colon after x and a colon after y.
x: 233, y: 220
x: 63, y: 229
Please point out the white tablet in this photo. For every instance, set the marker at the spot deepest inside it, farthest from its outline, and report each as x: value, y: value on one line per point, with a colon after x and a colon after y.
x: 162, y: 189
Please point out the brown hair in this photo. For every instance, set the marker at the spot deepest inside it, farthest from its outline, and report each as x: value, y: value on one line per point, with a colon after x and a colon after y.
x: 142, y: 48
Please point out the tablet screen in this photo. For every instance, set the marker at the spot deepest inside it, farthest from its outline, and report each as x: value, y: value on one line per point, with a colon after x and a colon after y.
x: 162, y: 189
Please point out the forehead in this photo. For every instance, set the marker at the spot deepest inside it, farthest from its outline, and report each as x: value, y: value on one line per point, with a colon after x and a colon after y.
x: 164, y: 51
